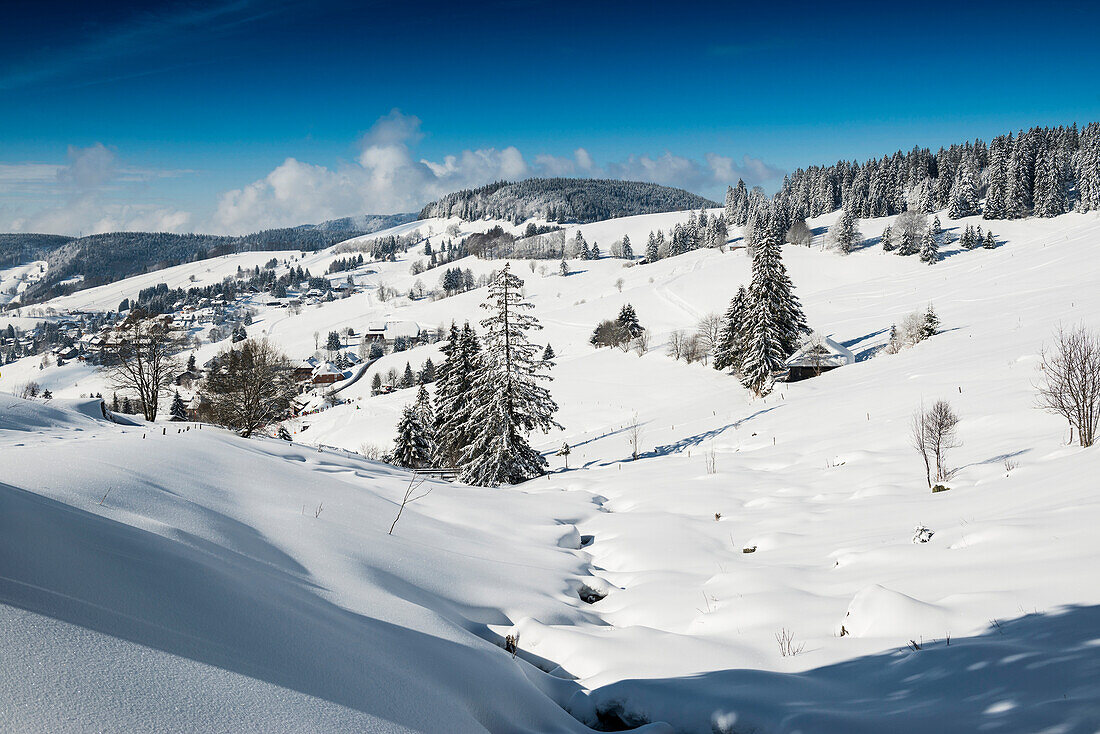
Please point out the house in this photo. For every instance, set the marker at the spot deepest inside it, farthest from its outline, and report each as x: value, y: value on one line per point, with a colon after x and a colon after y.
x: 816, y: 355
x: 187, y: 378
x: 326, y: 373
x: 389, y: 331
x: 303, y: 370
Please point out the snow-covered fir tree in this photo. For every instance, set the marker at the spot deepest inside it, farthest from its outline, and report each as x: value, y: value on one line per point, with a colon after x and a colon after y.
x: 628, y: 322
x: 628, y: 251
x: 728, y: 352
x: 178, y: 411
x: 411, y: 448
x: 845, y: 234
x: 651, y: 253
x: 929, y: 248
x: 887, y: 240
x: 774, y: 322
x: 454, y: 389
x: 508, y: 401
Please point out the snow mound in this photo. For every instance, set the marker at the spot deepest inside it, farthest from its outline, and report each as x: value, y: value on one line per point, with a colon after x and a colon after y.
x: 876, y: 611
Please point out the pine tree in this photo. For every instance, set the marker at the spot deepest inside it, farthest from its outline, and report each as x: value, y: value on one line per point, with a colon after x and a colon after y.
x: 178, y: 411
x: 775, y: 324
x: 548, y: 354
x: 454, y: 391
x: 508, y: 401
x: 652, y: 255
x: 727, y: 354
x: 427, y: 372
x: 376, y: 382
x: 594, y: 253
x: 931, y: 323
x: 929, y: 248
x: 407, y: 378
x: 628, y: 251
x: 990, y: 241
x: 563, y: 269
x: 845, y: 234
x: 410, y: 447
x: 997, y: 192
x: 628, y: 322
x: 191, y: 363
x: 887, y: 242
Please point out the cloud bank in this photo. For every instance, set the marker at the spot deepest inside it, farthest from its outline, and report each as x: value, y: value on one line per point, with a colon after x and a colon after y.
x: 83, y: 196
x: 387, y: 176
x: 94, y: 191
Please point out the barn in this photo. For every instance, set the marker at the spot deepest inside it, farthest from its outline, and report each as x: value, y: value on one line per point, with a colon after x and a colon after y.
x: 816, y: 355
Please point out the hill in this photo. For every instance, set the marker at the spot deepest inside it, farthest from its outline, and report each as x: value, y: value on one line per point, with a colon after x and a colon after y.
x: 563, y: 200
x: 75, y: 263
x: 818, y: 480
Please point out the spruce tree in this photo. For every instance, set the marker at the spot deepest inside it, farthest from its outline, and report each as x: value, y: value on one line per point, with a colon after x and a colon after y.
x: 407, y: 378
x: 775, y: 324
x: 929, y: 248
x: 410, y: 446
x: 728, y: 354
x: 628, y: 251
x: 651, y: 253
x: 548, y: 354
x: 178, y: 411
x: 990, y: 241
x: 508, y: 402
x: 454, y: 389
x: 845, y: 234
x: 628, y: 322
x: 887, y: 242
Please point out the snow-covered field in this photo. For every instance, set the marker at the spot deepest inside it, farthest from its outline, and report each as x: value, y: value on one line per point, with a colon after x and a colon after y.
x: 207, y: 591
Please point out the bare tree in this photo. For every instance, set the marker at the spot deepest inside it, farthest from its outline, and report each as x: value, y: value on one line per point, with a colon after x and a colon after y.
x: 800, y: 233
x: 676, y: 344
x: 641, y: 343
x: 634, y: 436
x: 415, y: 482
x: 250, y: 385
x: 693, y: 348
x: 709, y: 332
x: 932, y: 434
x: 142, y: 359
x: 1070, y: 385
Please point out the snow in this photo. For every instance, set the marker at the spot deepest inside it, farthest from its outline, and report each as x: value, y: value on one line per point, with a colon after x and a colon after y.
x: 328, y: 623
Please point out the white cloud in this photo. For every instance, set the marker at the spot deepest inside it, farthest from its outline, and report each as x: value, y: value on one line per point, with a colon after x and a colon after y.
x: 79, y: 197
x: 387, y: 176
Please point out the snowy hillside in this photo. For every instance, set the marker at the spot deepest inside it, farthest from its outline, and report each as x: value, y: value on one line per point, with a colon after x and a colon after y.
x: 742, y: 519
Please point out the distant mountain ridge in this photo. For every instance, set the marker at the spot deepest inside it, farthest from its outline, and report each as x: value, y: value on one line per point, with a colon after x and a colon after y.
x: 563, y: 200
x: 105, y: 258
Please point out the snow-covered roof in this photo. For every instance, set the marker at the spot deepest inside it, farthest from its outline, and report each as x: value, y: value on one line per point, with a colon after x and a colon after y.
x: 327, y: 368
x: 821, y: 351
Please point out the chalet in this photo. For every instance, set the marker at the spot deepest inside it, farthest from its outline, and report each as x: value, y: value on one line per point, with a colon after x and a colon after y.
x: 389, y: 331
x: 302, y: 370
x: 188, y: 378
x: 816, y: 355
x: 326, y: 373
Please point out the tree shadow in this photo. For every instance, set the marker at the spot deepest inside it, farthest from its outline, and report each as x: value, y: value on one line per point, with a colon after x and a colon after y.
x: 1035, y: 673
x: 699, y: 438
x: 867, y: 352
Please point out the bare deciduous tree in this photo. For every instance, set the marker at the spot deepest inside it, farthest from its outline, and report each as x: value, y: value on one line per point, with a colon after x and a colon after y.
x: 634, y: 436
x: 676, y: 344
x: 415, y: 482
x: 800, y: 233
x: 932, y: 434
x: 709, y: 332
x: 1070, y: 385
x: 250, y: 385
x: 641, y: 343
x: 142, y: 359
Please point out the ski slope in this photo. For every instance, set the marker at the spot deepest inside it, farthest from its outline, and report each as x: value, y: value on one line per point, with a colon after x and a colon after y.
x: 818, y: 478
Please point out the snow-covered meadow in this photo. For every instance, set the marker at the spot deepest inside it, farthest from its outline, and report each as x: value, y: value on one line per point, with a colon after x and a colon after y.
x: 251, y: 584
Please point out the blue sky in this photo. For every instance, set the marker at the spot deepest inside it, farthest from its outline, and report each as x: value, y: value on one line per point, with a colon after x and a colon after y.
x: 232, y: 116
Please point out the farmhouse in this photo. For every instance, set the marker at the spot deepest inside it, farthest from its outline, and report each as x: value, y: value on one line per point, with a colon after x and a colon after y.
x: 816, y: 355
